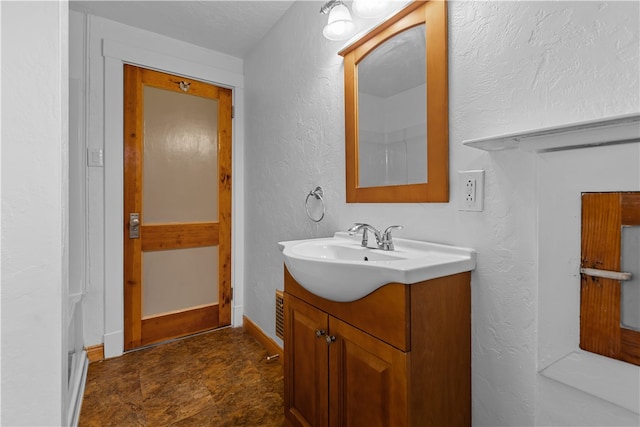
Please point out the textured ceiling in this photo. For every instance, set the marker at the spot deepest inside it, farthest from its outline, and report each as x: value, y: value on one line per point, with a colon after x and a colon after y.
x: 231, y: 27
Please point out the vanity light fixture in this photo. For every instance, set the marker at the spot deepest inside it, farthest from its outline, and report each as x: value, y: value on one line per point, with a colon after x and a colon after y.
x: 340, y: 26
x: 370, y: 8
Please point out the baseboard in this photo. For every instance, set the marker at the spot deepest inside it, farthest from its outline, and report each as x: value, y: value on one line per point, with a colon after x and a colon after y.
x: 113, y: 344
x: 95, y: 353
x: 267, y: 342
x: 237, y: 315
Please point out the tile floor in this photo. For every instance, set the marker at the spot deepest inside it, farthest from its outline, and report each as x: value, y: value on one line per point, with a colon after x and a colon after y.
x: 220, y: 378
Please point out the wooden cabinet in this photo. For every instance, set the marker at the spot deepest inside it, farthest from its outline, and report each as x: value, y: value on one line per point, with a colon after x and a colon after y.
x: 307, y: 379
x: 401, y: 356
x: 367, y: 379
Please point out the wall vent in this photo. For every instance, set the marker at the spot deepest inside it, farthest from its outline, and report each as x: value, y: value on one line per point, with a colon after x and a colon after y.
x: 280, y: 314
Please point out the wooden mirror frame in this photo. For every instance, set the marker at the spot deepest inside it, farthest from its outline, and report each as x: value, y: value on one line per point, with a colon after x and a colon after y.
x: 434, y: 15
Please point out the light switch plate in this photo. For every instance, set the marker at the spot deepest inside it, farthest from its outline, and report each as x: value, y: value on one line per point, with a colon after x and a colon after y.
x: 95, y: 157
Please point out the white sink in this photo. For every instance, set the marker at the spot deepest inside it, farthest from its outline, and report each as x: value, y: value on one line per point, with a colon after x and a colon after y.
x: 339, y: 269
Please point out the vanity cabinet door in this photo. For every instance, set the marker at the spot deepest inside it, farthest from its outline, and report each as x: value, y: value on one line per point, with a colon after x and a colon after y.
x: 305, y: 364
x: 367, y: 378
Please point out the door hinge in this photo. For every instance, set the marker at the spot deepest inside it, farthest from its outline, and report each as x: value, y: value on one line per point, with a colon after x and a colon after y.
x: 231, y: 294
x: 233, y: 112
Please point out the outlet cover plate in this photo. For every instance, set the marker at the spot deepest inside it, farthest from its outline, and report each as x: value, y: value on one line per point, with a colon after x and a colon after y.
x: 471, y: 190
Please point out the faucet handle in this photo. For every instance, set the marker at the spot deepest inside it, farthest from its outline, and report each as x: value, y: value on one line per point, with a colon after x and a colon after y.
x: 364, y: 227
x: 387, y: 233
x: 387, y: 243
x: 355, y: 228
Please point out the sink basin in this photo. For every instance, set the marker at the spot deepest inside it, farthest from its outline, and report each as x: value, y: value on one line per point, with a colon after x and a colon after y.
x: 339, y: 269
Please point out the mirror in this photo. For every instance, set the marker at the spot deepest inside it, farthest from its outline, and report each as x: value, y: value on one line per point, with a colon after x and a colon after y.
x: 392, y: 111
x: 396, y: 109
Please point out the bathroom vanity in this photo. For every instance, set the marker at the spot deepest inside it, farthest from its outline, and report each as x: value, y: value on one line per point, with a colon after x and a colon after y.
x: 399, y: 356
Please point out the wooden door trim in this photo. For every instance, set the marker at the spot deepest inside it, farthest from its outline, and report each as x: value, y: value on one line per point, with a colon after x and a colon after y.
x: 224, y: 202
x: 173, y: 325
x: 158, y: 237
x: 155, y: 237
x: 132, y: 203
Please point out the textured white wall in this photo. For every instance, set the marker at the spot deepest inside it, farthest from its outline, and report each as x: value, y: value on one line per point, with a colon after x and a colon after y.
x: 34, y: 213
x: 512, y: 66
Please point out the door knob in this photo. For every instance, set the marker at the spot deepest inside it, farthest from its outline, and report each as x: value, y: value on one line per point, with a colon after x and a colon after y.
x: 134, y: 225
x: 330, y: 339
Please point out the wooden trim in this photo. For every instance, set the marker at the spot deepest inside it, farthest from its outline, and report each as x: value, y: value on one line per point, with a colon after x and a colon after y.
x: 132, y: 203
x: 172, y: 83
x: 173, y: 325
x: 158, y: 237
x: 630, y: 206
x: 267, y: 342
x: 630, y: 344
x: 352, y: 169
x: 95, y: 353
x: 224, y: 204
x: 437, y: 79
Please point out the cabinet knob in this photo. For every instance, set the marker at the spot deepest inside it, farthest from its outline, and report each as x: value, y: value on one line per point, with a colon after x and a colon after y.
x: 330, y: 339
x: 320, y: 332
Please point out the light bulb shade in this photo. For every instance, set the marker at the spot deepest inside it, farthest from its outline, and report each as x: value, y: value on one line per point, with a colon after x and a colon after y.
x: 370, y: 8
x: 340, y: 26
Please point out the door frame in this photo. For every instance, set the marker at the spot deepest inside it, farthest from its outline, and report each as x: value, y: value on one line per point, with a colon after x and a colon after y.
x: 115, y: 55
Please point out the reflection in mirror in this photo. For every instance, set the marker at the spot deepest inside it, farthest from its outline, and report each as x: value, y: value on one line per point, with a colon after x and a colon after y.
x: 630, y: 262
x: 392, y: 109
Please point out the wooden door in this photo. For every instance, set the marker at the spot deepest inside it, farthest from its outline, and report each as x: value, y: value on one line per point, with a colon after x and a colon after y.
x: 367, y: 379
x: 177, y: 180
x: 305, y: 364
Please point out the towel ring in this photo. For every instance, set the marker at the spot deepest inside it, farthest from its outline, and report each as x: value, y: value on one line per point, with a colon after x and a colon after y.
x: 317, y: 193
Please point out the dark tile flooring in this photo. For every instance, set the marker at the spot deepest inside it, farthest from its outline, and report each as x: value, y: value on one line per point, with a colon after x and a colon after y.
x: 220, y: 378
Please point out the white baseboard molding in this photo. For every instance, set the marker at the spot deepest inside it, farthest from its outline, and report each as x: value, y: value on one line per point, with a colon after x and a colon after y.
x: 113, y: 344
x: 237, y: 316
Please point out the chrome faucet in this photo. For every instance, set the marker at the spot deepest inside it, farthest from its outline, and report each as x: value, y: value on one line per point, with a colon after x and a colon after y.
x: 384, y: 240
x: 365, y: 235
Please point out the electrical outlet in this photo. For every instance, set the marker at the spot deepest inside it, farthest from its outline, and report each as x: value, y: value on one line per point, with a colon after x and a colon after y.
x: 471, y: 190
